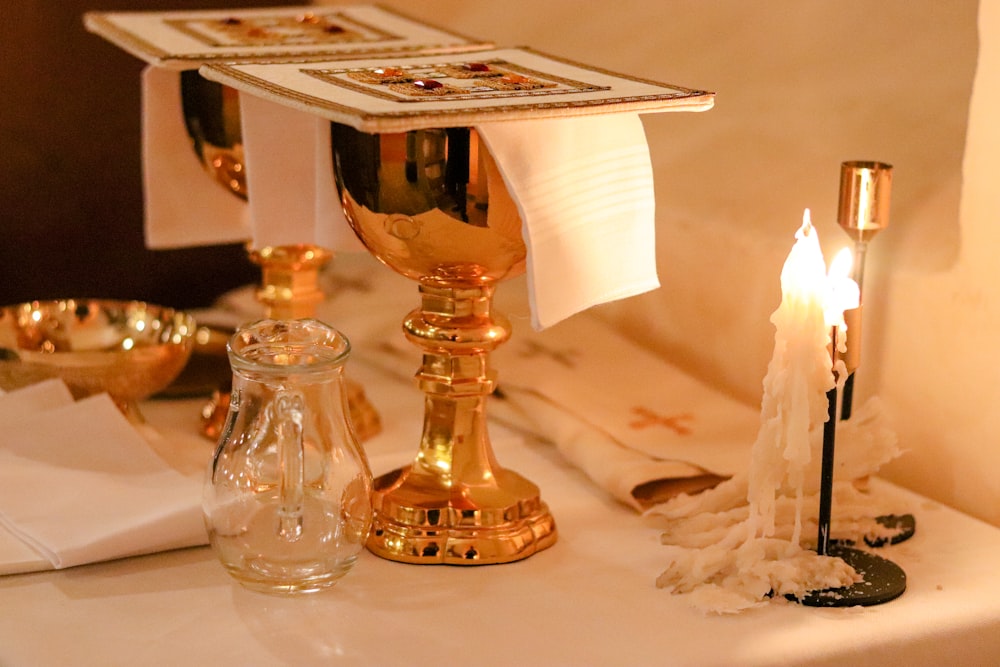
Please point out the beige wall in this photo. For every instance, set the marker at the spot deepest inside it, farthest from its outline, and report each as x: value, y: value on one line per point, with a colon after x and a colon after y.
x: 803, y: 86
x: 941, y: 359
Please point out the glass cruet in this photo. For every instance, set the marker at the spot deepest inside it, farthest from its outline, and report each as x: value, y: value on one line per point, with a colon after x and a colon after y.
x: 287, y: 501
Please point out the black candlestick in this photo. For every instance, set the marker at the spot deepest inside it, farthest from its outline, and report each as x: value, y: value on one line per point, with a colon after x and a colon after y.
x: 882, y: 580
x: 826, y: 472
x: 848, y: 399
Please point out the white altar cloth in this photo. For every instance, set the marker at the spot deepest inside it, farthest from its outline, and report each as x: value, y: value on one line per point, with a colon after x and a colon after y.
x: 588, y: 600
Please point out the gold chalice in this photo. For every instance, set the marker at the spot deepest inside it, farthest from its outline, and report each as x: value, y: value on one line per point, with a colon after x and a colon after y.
x: 129, y: 349
x: 289, y: 273
x: 432, y: 206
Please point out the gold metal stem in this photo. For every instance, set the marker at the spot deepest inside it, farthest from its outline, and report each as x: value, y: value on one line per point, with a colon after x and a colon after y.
x: 862, y: 212
x: 455, y: 504
x: 290, y: 279
x: 852, y: 352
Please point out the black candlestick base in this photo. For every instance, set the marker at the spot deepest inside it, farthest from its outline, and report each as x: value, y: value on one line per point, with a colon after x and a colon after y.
x: 882, y: 582
x: 903, y: 525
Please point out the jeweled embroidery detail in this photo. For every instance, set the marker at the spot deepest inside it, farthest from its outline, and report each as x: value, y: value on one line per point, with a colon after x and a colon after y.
x: 471, y: 80
x: 471, y: 71
x: 425, y: 87
x: 516, y: 82
x: 647, y: 418
x: 382, y: 75
x: 309, y: 28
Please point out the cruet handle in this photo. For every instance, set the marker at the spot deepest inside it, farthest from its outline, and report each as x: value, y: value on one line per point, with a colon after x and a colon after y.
x: 287, y: 411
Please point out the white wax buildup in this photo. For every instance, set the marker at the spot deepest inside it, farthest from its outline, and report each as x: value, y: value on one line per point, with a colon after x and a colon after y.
x: 738, y: 545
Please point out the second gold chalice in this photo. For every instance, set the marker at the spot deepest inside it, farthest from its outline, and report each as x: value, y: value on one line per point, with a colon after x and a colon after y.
x: 432, y: 206
x: 179, y: 41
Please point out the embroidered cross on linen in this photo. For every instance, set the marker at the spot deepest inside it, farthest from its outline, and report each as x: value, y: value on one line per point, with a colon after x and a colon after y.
x: 532, y: 348
x: 648, y: 418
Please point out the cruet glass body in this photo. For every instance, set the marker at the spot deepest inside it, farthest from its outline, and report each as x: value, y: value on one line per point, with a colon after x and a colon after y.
x: 287, y: 501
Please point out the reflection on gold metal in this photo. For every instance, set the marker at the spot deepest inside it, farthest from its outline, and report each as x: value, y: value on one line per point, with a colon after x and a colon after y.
x: 418, y: 201
x: 212, y: 117
x: 128, y: 349
x: 865, y: 193
x: 290, y: 287
x: 852, y: 354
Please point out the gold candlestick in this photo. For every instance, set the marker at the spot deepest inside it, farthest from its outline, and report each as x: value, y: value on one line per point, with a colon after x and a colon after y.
x: 863, y: 211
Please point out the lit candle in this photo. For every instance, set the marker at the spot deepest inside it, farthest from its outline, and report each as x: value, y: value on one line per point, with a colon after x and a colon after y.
x: 737, y: 563
x: 798, y: 378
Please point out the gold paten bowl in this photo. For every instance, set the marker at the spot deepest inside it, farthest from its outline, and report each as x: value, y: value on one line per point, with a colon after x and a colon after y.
x: 129, y: 349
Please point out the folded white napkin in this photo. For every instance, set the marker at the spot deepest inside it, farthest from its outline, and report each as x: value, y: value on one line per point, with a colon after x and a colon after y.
x: 639, y: 426
x: 293, y: 198
x: 78, y: 484
x: 584, y: 188
x: 33, y: 398
x: 184, y: 205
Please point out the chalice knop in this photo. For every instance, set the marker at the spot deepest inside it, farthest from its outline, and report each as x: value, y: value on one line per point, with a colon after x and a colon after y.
x: 432, y: 206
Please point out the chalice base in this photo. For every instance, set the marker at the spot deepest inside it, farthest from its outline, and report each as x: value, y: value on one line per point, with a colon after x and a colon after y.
x: 418, y: 521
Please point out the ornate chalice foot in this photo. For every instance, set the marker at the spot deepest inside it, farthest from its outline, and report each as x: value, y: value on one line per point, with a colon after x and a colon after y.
x: 418, y: 201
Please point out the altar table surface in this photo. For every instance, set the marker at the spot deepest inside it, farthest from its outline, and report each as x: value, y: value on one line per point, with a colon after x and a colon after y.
x: 589, y: 600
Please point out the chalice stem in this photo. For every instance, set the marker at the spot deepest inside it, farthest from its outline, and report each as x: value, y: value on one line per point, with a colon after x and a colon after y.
x: 455, y: 445
x: 455, y: 504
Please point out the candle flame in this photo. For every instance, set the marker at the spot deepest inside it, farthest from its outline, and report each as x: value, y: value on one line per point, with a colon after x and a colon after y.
x: 841, y: 265
x: 806, y: 228
x: 803, y: 276
x: 843, y: 292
